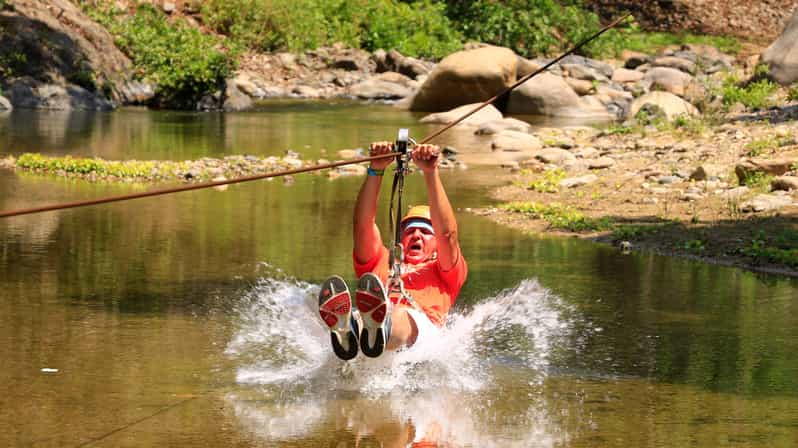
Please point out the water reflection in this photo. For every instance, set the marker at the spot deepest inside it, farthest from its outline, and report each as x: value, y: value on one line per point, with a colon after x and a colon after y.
x: 312, y: 129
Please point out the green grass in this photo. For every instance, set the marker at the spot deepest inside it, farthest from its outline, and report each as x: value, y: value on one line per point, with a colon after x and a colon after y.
x: 650, y: 42
x: 758, y: 180
x: 694, y: 245
x: 755, y: 95
x: 760, y: 146
x: 623, y: 232
x: 783, y: 249
x: 559, y: 216
x: 100, y: 167
x: 549, y: 182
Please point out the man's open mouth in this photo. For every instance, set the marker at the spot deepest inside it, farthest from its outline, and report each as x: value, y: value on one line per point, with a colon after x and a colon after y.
x: 415, y: 246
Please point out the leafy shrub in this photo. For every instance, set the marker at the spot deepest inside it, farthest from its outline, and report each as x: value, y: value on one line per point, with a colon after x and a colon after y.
x: 185, y: 63
x: 783, y: 250
x: 532, y: 27
x: 754, y: 95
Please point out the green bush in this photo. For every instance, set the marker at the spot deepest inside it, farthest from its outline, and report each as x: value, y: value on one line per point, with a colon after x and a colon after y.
x: 755, y: 95
x: 185, y: 63
x: 781, y: 250
x: 532, y: 27
x: 419, y: 28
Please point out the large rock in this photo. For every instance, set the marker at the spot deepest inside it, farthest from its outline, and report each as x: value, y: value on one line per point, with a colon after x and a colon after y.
x: 467, y: 77
x: 234, y: 99
x: 5, y: 105
x: 64, y: 47
x: 667, y: 79
x: 765, y: 203
x: 515, y: 141
x: 484, y: 115
x: 28, y: 93
x: 777, y: 167
x: 782, y: 55
x: 551, y: 96
x: 377, y: 89
x: 504, y: 124
x: 786, y: 183
x: 669, y: 104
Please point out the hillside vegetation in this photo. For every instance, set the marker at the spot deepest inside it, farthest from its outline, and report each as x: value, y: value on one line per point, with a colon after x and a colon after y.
x: 190, y: 58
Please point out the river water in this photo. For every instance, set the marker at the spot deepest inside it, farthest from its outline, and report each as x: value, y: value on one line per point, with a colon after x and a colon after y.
x: 184, y: 320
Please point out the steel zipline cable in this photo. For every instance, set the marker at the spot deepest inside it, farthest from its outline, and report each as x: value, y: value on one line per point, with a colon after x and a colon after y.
x: 198, y: 186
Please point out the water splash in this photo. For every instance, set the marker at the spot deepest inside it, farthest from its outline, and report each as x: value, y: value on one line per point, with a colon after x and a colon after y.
x: 281, y: 340
x: 454, y: 382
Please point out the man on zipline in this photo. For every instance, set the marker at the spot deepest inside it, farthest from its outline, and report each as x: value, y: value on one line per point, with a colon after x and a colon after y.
x: 432, y: 273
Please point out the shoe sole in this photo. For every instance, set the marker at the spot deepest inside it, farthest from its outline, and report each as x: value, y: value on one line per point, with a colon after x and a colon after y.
x: 373, y: 306
x: 335, y: 308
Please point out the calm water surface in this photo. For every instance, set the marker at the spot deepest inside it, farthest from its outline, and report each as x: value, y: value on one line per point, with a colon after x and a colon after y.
x: 183, y: 320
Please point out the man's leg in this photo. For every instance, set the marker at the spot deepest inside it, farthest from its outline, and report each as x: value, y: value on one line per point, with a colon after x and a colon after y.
x: 404, y: 331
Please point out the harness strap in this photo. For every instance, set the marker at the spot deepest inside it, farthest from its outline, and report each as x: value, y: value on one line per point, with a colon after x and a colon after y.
x: 396, y: 253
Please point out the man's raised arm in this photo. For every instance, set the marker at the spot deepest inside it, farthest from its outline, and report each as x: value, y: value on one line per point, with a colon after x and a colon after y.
x: 441, y: 213
x: 366, y: 235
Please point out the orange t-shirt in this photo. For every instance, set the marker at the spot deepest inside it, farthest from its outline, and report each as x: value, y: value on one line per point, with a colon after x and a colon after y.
x: 433, y: 289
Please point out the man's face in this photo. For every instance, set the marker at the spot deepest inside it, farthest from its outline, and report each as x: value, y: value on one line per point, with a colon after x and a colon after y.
x: 419, y: 244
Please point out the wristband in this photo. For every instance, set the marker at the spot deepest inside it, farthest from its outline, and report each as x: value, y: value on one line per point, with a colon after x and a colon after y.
x: 372, y: 172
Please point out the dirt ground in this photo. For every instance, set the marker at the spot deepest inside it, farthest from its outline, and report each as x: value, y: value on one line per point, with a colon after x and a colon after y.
x: 647, y: 200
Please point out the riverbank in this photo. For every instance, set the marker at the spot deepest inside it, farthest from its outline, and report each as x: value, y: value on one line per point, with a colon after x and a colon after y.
x: 726, y: 194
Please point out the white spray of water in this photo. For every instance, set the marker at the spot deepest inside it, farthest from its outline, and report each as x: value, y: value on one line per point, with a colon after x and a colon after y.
x: 281, y: 344
x: 282, y: 340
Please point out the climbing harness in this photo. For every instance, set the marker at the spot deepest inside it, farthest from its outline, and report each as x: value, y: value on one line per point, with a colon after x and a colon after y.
x: 404, y: 147
x: 156, y: 192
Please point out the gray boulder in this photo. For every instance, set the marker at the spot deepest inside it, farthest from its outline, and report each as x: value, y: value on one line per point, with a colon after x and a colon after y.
x: 667, y: 79
x: 64, y: 46
x: 234, y: 99
x: 484, y: 115
x: 393, y: 61
x: 585, y: 73
x: 5, y: 105
x: 786, y: 183
x: 669, y: 104
x: 27, y: 93
x: 550, y: 95
x: 137, y: 92
x: 573, y: 182
x: 679, y: 63
x: 378, y: 89
x: 782, y: 55
x: 515, y: 141
x: 765, y: 202
x: 504, y: 124
x: 466, y: 77
x: 601, y: 67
